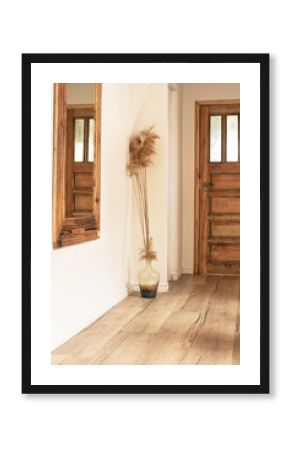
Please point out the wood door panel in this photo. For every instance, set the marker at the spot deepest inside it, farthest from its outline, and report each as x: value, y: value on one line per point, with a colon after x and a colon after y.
x: 218, y: 229
x: 83, y: 180
x: 224, y: 252
x: 83, y: 188
x: 224, y: 205
x: 225, y: 168
x: 230, y: 268
x: 223, y: 181
x: 218, y: 187
x: 83, y: 202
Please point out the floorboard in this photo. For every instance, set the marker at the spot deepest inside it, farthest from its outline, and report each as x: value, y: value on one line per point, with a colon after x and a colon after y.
x: 197, y: 322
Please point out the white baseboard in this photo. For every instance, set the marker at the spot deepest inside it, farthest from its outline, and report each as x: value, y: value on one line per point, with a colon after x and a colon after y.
x: 87, y: 320
x: 163, y: 287
x: 187, y: 270
x: 176, y: 275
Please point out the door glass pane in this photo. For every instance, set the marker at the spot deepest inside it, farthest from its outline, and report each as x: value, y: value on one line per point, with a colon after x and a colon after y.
x: 232, y: 138
x: 91, y: 140
x: 215, y: 138
x: 79, y: 133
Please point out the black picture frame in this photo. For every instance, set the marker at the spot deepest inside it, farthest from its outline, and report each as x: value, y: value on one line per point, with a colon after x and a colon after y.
x: 263, y: 61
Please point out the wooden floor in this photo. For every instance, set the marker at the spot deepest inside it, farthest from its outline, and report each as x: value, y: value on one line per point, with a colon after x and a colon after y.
x: 196, y: 322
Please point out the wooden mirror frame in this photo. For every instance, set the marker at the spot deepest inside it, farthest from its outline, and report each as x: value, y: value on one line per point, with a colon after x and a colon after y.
x: 72, y: 230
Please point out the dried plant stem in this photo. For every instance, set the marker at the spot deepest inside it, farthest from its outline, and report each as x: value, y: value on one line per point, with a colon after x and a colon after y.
x: 143, y: 185
x: 140, y: 190
x: 146, y: 205
x: 139, y: 204
x: 141, y: 148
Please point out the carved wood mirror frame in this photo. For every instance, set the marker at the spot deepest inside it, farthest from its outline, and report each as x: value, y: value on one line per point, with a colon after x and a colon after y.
x: 73, y: 230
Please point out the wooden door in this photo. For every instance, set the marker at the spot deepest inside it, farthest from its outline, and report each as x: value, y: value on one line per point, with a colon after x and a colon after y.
x: 80, y: 161
x: 218, y: 187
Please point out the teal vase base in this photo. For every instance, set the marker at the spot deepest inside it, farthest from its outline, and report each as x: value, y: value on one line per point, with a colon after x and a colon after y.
x: 148, y: 291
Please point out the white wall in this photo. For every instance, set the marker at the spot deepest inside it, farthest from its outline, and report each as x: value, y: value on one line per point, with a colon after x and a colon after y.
x: 191, y: 94
x: 82, y: 274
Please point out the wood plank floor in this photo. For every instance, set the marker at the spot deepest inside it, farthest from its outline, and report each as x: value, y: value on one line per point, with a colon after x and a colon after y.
x: 196, y: 322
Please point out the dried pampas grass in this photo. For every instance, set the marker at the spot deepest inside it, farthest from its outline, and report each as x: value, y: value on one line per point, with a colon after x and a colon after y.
x: 141, y: 150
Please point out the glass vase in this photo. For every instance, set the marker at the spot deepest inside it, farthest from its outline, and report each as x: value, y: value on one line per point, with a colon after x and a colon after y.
x: 148, y: 281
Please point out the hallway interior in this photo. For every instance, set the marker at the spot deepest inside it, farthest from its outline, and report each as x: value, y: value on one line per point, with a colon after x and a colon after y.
x: 195, y: 322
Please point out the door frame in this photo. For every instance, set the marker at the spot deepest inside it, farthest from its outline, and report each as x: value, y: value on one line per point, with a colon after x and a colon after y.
x: 197, y: 150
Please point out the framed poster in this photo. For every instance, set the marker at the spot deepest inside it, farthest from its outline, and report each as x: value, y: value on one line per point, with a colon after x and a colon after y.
x: 196, y: 319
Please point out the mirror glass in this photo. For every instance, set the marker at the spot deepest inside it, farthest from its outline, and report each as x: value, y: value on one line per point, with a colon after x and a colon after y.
x: 79, y: 134
x: 215, y: 138
x: 232, y: 138
x: 91, y: 149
